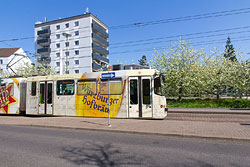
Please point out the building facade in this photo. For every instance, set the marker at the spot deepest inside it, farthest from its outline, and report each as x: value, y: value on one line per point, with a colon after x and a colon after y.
x: 11, y: 59
x: 76, y: 44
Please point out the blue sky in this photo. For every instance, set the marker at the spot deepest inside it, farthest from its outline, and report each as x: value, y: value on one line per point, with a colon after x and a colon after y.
x: 18, y: 19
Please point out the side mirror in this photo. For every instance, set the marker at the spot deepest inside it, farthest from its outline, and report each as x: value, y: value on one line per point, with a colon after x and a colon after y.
x: 163, y: 78
x: 166, y: 91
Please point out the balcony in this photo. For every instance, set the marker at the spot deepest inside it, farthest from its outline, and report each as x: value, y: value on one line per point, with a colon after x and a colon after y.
x: 44, y: 33
x: 97, y: 29
x: 44, y: 42
x: 101, y: 41
x: 44, y: 59
x: 96, y: 66
x: 43, y: 51
x: 99, y: 49
x: 98, y: 57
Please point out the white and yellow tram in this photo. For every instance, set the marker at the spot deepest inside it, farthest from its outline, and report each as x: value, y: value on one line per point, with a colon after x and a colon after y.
x: 133, y: 94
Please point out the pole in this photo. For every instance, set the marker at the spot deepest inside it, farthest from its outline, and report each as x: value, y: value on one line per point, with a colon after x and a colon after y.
x: 66, y: 71
x: 109, y: 125
x: 67, y: 35
x: 61, y: 62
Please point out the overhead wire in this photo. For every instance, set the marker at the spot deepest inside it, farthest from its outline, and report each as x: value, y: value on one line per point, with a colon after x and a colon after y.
x: 162, y: 21
x: 185, y: 18
x: 193, y: 44
x: 223, y: 13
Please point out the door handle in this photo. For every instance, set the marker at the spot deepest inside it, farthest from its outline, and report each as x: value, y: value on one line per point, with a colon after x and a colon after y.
x: 149, y: 106
x: 130, y: 106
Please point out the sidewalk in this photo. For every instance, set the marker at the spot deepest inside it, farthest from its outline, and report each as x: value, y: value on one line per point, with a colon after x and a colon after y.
x: 215, y: 130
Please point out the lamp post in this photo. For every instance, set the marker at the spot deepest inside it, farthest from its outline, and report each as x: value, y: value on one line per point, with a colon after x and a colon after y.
x: 67, y: 35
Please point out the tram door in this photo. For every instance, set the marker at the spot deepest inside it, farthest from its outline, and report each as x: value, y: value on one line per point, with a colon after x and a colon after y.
x: 45, y: 98
x: 140, y: 97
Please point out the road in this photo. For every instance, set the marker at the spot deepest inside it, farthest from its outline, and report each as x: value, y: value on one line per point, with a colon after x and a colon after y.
x: 25, y: 146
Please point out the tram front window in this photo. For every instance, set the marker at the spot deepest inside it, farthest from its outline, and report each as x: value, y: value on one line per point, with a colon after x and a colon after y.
x: 157, y: 86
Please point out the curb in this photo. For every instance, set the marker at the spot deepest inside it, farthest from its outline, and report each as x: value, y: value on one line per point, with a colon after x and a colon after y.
x: 210, y: 112
x: 145, y: 133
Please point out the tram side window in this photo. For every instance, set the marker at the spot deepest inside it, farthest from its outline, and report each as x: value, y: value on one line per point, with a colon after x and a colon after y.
x: 133, y: 91
x: 42, y: 85
x: 86, y: 87
x: 157, y: 86
x: 49, y: 95
x: 146, y: 91
x: 116, y: 86
x: 65, y: 87
x: 33, y: 88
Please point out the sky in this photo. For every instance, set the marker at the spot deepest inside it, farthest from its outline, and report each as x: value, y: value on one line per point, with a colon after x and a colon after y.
x: 136, y: 27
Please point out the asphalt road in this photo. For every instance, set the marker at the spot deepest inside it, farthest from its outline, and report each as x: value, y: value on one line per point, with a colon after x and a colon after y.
x: 31, y: 147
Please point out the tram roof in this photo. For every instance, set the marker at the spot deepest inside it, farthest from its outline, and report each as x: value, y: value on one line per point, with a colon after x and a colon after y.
x: 118, y: 73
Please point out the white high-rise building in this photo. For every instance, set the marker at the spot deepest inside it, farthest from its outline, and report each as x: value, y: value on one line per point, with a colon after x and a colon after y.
x: 75, y: 44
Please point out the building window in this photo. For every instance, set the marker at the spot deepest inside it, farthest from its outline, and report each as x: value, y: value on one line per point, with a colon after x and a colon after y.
x: 57, y: 64
x: 66, y: 53
x: 76, y: 43
x: 58, y: 27
x: 66, y: 44
x: 76, y: 23
x: 1, y: 61
x: 67, y: 63
x: 65, y: 87
x: 57, y: 45
x: 67, y: 25
x: 76, y: 71
x: 76, y: 33
x: 76, y: 52
x: 77, y: 62
x: 57, y: 54
x: 57, y: 36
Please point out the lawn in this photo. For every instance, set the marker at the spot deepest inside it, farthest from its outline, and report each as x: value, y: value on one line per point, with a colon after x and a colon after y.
x: 209, y: 103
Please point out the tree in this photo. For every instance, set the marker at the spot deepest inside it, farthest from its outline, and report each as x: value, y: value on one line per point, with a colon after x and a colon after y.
x: 229, y: 51
x: 191, y: 73
x: 143, y: 61
x: 181, y: 65
x: 28, y: 70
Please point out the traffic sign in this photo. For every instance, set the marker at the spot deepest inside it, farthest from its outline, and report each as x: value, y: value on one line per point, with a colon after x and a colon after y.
x: 108, y: 75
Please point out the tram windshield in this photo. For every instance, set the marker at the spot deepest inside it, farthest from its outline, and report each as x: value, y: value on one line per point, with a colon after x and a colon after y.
x: 158, y: 84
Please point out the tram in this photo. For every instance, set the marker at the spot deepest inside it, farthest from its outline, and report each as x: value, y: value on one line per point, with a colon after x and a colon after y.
x: 13, y: 95
x: 133, y: 94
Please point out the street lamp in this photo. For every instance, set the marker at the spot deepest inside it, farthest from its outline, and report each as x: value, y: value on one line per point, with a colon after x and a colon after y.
x: 67, y: 35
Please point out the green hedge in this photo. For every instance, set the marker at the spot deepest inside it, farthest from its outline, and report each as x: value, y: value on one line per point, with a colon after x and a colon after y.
x: 209, y: 103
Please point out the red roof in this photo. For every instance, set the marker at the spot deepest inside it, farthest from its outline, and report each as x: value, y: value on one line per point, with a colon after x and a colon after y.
x: 6, y: 52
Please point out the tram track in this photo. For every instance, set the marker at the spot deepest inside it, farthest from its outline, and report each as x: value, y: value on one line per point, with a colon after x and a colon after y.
x: 238, y: 118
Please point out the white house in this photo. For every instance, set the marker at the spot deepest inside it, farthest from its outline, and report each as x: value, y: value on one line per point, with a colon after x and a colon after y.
x: 12, y: 58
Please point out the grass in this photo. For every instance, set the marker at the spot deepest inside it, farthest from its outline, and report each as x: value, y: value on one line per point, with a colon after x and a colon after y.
x: 209, y: 103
